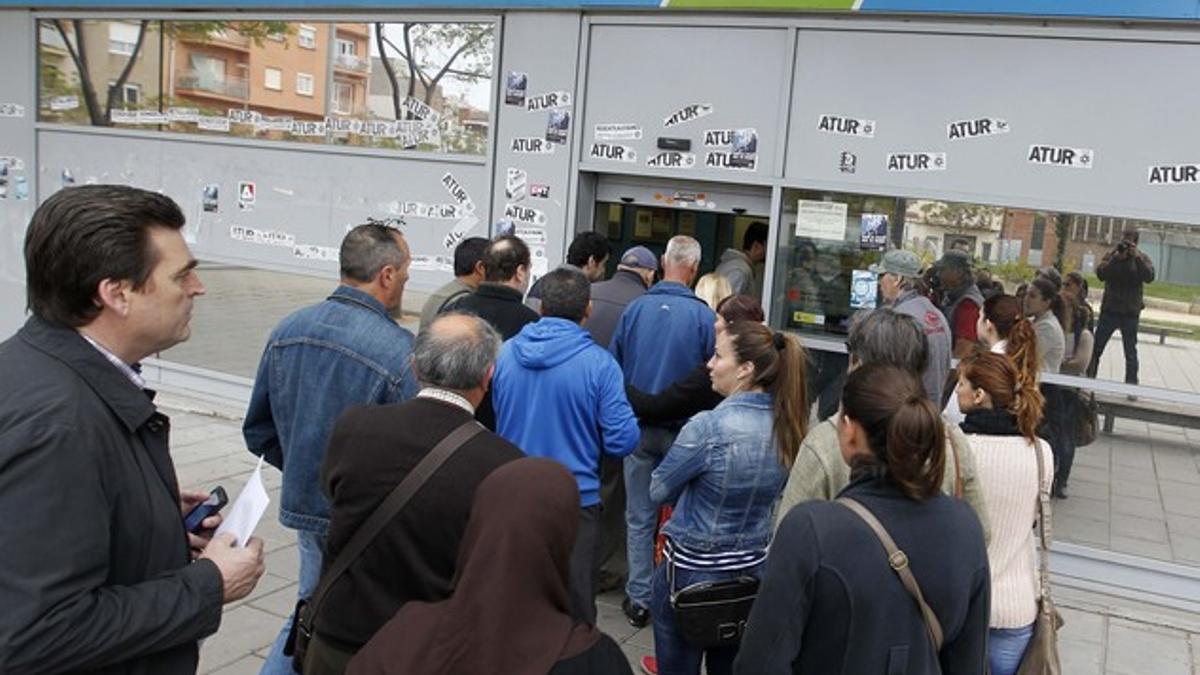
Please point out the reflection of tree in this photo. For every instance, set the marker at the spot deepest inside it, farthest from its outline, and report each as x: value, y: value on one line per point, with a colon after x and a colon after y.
x: 960, y: 216
x: 195, y: 30
x: 468, y: 44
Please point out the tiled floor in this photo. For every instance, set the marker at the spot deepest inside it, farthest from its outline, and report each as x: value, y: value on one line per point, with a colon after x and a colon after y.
x: 1098, y: 638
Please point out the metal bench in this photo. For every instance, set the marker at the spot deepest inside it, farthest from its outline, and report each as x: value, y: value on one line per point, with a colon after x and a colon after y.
x: 1163, y: 331
x: 1154, y: 412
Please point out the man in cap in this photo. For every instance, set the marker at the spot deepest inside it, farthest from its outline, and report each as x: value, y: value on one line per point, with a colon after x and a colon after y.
x: 897, y: 272
x: 961, y: 302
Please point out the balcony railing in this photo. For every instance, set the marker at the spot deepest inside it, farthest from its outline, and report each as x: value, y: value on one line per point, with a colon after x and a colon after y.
x: 231, y: 87
x: 351, y: 62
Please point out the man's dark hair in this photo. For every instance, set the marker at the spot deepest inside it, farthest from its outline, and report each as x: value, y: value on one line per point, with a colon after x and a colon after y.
x: 502, y: 257
x: 83, y: 235
x: 469, y: 252
x: 367, y: 249
x: 588, y: 245
x: 756, y: 233
x: 565, y: 294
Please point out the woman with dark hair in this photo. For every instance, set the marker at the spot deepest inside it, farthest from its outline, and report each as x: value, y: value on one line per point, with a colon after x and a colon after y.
x: 1001, y: 425
x: 1052, y: 321
x: 830, y: 601
x: 510, y: 611
x: 1003, y: 329
x: 694, y: 392
x: 724, y: 473
x: 1079, y: 339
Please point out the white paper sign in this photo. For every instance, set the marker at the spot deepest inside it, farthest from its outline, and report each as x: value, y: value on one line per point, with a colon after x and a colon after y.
x: 435, y: 263
x: 247, y: 509
x: 821, y: 220
x: 671, y: 159
x: 265, y: 237
x: 419, y: 109
x: 1054, y: 155
x: 280, y: 123
x: 313, y: 252
x: 123, y: 116
x: 613, y: 151
x: 525, y: 215
x: 60, y: 103
x: 12, y: 110
x: 459, y: 231
x: 176, y: 114
x: 307, y: 128
x: 430, y: 211
x: 211, y: 123
x: 846, y: 126
x: 515, y: 182
x: 532, y: 145
x: 617, y: 132
x: 984, y: 126
x: 533, y: 236
x: 14, y: 163
x: 688, y: 113
x: 1175, y: 174
x: 241, y: 116
x: 916, y: 161
x: 458, y: 192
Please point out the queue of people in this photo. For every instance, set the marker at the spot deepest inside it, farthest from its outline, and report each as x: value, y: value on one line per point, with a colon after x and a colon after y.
x: 448, y: 489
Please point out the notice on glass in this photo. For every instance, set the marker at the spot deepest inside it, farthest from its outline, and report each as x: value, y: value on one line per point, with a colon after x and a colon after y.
x: 821, y: 220
x: 247, y: 509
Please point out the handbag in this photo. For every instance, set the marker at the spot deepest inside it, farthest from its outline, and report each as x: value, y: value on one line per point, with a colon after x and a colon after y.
x: 712, y: 613
x: 1086, y: 418
x: 899, y: 563
x: 1041, y: 655
x: 301, y: 636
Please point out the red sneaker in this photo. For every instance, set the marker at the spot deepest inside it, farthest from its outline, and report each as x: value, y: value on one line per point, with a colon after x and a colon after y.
x: 649, y: 665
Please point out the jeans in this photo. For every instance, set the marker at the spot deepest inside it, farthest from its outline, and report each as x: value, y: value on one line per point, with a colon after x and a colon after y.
x: 826, y: 378
x: 585, y: 565
x: 1058, y: 428
x: 1006, y: 648
x: 310, y: 545
x: 675, y: 655
x: 1128, y: 325
x: 641, y: 514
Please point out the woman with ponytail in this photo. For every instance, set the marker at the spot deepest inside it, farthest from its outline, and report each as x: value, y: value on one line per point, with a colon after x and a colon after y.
x: 830, y: 602
x: 1004, y: 329
x: 1002, y: 419
x: 724, y: 474
x: 1052, y: 322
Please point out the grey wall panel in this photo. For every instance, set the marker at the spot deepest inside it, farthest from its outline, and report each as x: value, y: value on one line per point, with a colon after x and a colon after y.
x: 1126, y: 101
x: 16, y: 140
x: 309, y: 199
x: 544, y: 46
x: 642, y: 75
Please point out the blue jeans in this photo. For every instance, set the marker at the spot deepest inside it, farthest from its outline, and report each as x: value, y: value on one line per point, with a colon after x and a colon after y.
x: 675, y: 655
x: 310, y: 545
x: 1006, y: 648
x: 641, y: 514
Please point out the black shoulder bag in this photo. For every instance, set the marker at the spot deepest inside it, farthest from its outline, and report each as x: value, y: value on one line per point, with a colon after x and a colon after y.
x: 307, y: 610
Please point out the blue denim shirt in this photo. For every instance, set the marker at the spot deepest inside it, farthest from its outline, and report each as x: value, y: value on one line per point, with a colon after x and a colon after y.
x: 725, y: 471
x: 319, y: 361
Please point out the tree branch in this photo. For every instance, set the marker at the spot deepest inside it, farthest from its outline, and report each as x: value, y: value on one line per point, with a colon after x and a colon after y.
x: 387, y: 66
x: 120, y: 82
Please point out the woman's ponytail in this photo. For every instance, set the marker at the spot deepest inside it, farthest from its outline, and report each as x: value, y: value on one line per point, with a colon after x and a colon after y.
x: 1000, y: 378
x: 780, y: 367
x: 1022, y: 348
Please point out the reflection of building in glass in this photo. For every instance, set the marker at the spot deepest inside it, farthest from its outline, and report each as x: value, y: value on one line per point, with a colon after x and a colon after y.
x: 107, y: 48
x: 934, y: 227
x: 380, y: 89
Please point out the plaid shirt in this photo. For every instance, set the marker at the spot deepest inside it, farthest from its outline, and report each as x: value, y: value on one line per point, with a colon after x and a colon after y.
x: 125, y: 368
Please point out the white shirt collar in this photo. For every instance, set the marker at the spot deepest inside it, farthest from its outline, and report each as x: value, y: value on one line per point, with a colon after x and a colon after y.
x: 447, y: 396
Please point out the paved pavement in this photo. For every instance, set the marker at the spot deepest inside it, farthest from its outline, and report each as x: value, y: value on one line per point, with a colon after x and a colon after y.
x: 1102, y: 635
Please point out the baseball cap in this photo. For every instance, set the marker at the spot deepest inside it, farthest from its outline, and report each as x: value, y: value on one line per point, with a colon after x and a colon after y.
x: 899, y: 261
x: 956, y: 259
x: 639, y: 257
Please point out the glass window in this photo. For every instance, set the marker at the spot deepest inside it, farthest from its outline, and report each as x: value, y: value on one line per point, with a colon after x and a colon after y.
x: 273, y: 79
x: 356, y: 84
x: 307, y: 37
x: 304, y: 84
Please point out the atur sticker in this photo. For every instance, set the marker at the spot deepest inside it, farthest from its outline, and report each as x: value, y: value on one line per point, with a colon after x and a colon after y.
x: 531, y: 145
x: 688, y: 113
x: 613, y: 151
x: 458, y: 192
x: 976, y: 128
x: 916, y: 161
x: 1054, y: 155
x: 1175, y: 174
x: 524, y: 215
x: 846, y: 126
x: 554, y: 99
x: 672, y: 159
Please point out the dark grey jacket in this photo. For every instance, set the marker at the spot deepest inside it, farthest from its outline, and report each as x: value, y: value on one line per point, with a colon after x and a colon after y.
x: 1123, y: 281
x: 95, y: 576
x: 609, y: 299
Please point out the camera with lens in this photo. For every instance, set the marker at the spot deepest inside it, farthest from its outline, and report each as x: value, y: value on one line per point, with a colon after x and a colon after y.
x: 1123, y: 247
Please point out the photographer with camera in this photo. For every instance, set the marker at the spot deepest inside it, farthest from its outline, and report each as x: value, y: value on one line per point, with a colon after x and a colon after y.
x: 1124, y: 271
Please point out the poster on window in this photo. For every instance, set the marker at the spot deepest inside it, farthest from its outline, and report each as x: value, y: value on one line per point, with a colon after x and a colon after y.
x: 873, y: 232
x: 515, y: 85
x: 864, y: 288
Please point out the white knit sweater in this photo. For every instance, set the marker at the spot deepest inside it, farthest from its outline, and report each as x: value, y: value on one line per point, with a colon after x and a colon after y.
x: 1008, y: 476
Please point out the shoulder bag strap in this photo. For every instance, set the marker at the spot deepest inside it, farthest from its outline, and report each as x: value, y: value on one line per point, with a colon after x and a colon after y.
x: 958, y: 480
x: 1043, y: 526
x: 899, y: 562
x: 391, y: 506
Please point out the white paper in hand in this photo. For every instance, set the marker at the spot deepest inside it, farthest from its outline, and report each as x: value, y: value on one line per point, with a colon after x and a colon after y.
x: 247, y: 509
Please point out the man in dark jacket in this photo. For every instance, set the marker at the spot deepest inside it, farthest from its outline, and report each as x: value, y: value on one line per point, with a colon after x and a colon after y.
x: 97, y: 571
x: 1125, y: 270
x: 560, y: 395
x: 498, y: 300
x: 635, y: 273
x: 373, y: 449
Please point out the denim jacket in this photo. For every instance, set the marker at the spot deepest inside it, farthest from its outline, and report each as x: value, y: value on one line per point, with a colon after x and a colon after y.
x: 319, y: 361
x: 725, y: 471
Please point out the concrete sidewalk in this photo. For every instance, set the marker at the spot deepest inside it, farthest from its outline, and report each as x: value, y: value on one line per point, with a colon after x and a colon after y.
x: 1102, y: 635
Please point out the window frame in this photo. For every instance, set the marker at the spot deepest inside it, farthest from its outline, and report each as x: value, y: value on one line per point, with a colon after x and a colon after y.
x: 312, y: 84
x: 267, y: 70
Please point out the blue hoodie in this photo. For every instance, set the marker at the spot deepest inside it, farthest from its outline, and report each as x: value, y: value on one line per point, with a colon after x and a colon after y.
x: 560, y: 395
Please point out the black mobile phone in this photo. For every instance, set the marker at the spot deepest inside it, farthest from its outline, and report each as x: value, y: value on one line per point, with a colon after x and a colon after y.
x: 215, y: 502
